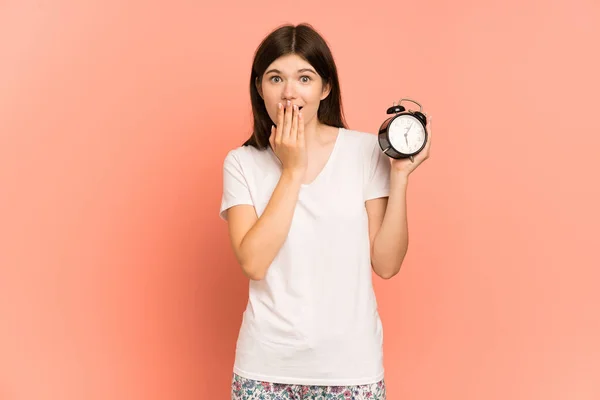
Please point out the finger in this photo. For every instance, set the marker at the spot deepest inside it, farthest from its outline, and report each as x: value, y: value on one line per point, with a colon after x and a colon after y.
x: 428, y: 145
x: 294, y: 130
x: 287, y: 121
x: 279, y: 128
x: 301, y: 137
x: 430, y: 119
x: 428, y: 126
x: 272, y: 136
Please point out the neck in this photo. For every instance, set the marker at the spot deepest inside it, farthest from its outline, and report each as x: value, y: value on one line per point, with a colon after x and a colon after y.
x: 314, y: 133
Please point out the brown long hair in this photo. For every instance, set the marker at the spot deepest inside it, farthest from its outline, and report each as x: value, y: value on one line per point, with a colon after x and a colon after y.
x: 304, y: 41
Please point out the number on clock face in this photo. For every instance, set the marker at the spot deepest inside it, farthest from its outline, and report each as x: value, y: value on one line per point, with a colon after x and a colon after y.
x: 406, y: 134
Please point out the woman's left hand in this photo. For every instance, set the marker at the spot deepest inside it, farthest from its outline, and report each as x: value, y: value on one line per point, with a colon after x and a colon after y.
x: 405, y: 166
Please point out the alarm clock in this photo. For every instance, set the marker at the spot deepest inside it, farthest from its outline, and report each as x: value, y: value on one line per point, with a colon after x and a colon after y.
x: 404, y: 134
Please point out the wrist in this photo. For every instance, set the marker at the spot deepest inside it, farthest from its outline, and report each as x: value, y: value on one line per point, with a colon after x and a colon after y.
x: 292, y: 176
x: 398, y: 178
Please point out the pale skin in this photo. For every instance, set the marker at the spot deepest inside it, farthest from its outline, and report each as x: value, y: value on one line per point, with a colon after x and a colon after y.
x: 303, y: 145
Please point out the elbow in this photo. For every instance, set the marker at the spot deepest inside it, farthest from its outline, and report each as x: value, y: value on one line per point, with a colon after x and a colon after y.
x: 387, y: 274
x: 387, y: 267
x: 254, y: 273
x: 251, y: 267
x: 256, y: 277
x: 387, y: 270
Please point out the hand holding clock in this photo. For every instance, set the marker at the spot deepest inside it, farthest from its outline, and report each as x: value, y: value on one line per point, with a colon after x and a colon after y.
x: 405, y: 166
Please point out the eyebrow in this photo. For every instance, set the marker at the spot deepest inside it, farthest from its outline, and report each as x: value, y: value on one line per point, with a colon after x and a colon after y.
x: 300, y: 70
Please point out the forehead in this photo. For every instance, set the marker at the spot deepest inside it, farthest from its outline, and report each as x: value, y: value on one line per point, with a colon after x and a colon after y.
x: 290, y: 64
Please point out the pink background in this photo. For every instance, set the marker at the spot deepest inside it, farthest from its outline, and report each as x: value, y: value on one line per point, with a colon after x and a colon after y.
x: 117, y: 280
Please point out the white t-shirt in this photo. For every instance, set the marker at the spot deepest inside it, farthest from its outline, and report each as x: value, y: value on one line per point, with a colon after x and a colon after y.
x: 313, y: 319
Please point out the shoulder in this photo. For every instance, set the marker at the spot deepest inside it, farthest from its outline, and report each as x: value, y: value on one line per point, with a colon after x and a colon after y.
x: 359, y: 138
x: 240, y: 152
x: 250, y: 162
x: 246, y: 155
x: 364, y: 147
x: 365, y: 143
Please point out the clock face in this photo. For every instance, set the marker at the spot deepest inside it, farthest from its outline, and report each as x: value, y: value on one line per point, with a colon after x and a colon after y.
x: 407, y: 134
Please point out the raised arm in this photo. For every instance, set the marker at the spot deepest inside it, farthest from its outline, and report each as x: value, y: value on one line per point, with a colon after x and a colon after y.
x: 256, y: 241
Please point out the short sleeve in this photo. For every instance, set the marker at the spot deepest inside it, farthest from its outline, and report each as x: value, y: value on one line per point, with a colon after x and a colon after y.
x: 235, y: 185
x: 378, y: 173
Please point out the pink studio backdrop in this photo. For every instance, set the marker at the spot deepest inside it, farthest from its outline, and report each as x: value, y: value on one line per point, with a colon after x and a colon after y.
x: 117, y: 280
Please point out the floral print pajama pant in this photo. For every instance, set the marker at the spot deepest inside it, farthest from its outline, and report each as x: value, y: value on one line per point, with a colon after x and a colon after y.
x: 248, y: 389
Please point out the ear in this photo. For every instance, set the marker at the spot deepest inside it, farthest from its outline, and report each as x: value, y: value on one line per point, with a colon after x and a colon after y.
x: 326, y: 91
x: 258, y: 86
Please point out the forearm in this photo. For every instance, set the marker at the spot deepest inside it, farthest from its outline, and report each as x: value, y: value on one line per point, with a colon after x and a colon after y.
x: 264, y: 240
x: 391, y: 241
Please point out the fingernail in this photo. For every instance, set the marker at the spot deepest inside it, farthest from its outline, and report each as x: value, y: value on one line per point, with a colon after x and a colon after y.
x: 288, y: 103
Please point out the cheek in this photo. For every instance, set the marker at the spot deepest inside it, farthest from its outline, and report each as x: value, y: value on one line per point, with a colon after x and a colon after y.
x: 313, y: 96
x: 270, y: 99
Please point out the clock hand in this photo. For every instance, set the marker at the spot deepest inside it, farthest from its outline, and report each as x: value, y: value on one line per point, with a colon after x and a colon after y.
x: 406, y: 133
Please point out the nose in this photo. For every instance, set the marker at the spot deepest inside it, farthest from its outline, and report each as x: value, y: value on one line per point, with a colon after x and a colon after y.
x: 289, y: 91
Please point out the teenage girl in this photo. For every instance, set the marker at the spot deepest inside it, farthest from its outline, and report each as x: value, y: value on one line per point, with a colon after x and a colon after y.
x: 313, y: 208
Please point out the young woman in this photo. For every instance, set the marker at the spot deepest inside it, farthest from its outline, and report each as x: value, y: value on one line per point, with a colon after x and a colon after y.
x: 312, y: 208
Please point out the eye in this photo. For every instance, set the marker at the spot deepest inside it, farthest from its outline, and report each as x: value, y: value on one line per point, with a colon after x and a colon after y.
x: 303, y: 79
